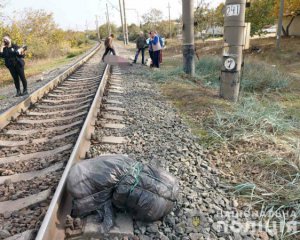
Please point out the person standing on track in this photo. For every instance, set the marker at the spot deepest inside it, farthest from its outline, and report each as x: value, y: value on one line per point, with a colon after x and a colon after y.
x: 13, y: 56
x: 140, y: 45
x: 108, y: 43
x: 156, y: 47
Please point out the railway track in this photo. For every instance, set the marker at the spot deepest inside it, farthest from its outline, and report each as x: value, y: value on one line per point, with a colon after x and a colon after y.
x: 40, y: 140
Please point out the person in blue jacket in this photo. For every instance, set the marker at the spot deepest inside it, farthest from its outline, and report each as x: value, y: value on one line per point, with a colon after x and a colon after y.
x: 13, y: 57
x: 156, y: 47
x: 162, y: 44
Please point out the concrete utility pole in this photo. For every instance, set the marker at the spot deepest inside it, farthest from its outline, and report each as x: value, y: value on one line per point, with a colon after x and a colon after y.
x: 97, y: 29
x: 108, y: 22
x: 125, y: 22
x: 123, y: 28
x: 234, y: 25
x: 188, y: 48
x: 279, y: 27
x: 170, y: 32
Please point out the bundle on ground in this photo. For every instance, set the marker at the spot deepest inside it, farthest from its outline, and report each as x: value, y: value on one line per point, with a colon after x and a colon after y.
x: 97, y: 184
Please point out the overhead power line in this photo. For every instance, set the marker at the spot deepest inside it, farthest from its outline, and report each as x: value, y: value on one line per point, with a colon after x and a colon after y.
x: 113, y: 6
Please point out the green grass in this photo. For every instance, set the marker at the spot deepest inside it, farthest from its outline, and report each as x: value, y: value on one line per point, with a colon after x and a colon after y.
x: 256, y: 76
x: 71, y: 55
x: 263, y: 77
x: 253, y: 116
x: 163, y: 75
x: 208, y: 70
x: 258, y: 119
x: 278, y: 189
x: 74, y: 52
x: 258, y: 136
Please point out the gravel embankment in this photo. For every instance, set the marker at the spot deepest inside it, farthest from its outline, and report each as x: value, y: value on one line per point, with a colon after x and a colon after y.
x: 7, y: 93
x: 158, y: 136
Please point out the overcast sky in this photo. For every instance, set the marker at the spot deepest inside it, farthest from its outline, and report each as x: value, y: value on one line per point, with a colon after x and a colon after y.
x: 77, y: 14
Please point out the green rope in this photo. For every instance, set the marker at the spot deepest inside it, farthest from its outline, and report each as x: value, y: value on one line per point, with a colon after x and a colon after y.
x: 136, y: 171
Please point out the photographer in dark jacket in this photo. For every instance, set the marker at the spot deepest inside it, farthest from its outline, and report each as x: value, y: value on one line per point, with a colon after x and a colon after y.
x: 13, y: 56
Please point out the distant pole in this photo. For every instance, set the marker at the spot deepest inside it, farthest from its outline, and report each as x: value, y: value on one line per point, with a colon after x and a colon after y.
x: 97, y: 29
x: 86, y: 25
x: 213, y: 24
x: 107, y: 25
x: 169, y: 7
x: 188, y: 37
x: 234, y: 27
x: 279, y: 27
x: 125, y: 23
x: 123, y: 28
x: 108, y: 22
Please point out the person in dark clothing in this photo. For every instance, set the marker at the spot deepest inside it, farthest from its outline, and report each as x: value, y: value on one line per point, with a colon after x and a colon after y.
x: 140, y: 45
x: 109, y: 46
x: 13, y: 56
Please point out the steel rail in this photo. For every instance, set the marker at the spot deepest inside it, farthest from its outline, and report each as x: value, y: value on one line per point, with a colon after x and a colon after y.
x: 16, y: 110
x: 53, y: 224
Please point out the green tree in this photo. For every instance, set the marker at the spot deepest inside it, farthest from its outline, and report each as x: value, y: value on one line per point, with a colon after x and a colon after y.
x: 202, y: 16
x: 163, y: 28
x: 37, y: 23
x: 104, y: 32
x: 152, y: 18
x: 291, y: 9
x: 219, y: 15
x: 133, y: 32
x: 38, y: 30
x: 260, y: 14
x: 1, y: 14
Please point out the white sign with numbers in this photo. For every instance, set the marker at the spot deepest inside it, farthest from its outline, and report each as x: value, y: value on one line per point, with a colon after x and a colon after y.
x: 233, y: 10
x: 229, y: 64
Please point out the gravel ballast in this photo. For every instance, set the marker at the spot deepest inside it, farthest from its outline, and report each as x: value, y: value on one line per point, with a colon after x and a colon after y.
x: 158, y: 136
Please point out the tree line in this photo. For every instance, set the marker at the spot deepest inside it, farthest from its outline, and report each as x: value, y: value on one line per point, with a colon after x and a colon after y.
x: 261, y: 14
x: 152, y: 20
x: 38, y: 30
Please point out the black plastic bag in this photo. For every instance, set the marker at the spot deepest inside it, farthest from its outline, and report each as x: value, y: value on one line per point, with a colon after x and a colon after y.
x: 148, y: 193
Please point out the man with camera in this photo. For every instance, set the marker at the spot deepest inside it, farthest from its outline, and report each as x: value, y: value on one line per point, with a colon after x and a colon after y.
x: 13, y: 56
